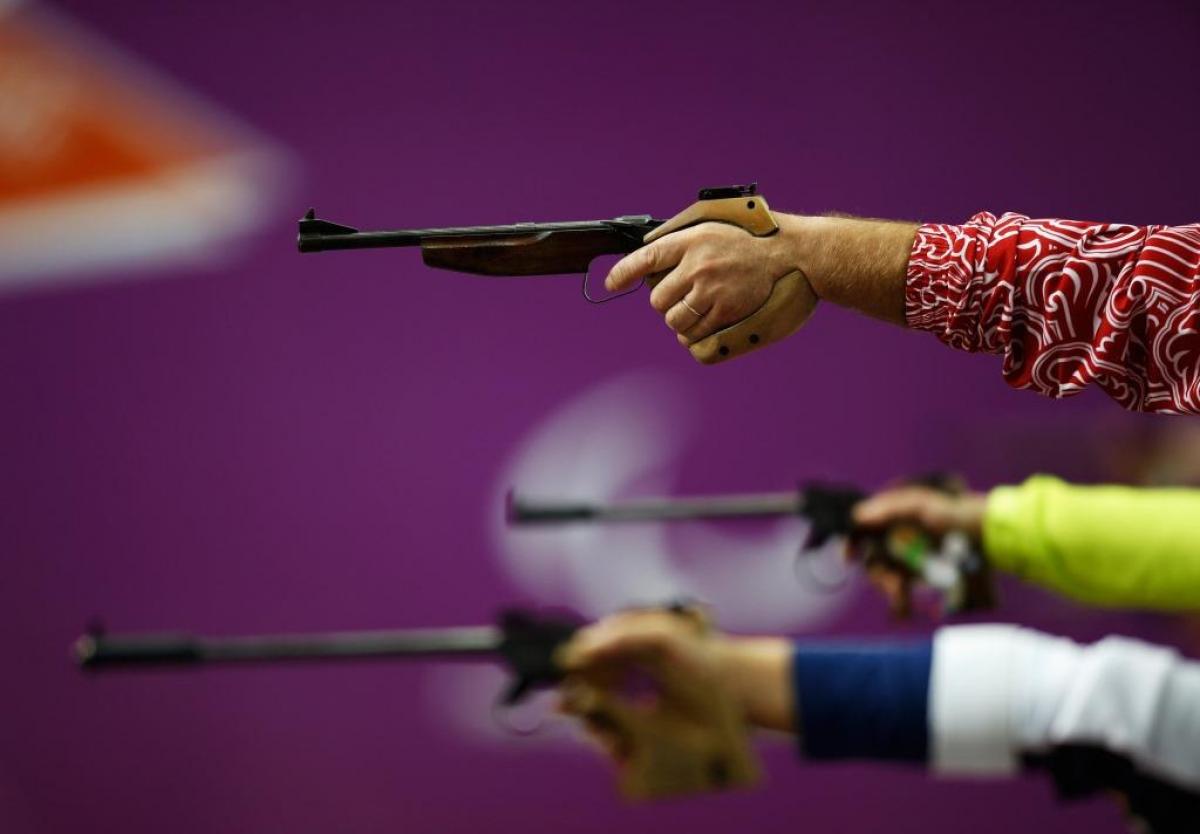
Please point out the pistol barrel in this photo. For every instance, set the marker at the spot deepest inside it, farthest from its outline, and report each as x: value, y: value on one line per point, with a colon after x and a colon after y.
x: 94, y: 651
x: 526, y: 511
x: 317, y: 235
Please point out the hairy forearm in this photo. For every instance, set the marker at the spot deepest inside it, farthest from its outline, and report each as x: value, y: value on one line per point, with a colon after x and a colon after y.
x: 757, y: 673
x: 854, y: 263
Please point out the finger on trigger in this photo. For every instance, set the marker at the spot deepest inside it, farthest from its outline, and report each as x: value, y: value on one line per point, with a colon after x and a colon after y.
x: 656, y: 257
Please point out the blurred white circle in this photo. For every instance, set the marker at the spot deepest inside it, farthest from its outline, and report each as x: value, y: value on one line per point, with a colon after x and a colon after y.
x: 625, y: 438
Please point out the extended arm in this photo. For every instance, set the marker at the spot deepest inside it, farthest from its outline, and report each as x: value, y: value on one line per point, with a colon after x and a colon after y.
x: 1106, y: 545
x: 975, y: 699
x: 998, y: 692
x: 1066, y: 303
x: 1117, y: 715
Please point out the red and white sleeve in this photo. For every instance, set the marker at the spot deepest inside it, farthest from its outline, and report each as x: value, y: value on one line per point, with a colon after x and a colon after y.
x: 1067, y: 304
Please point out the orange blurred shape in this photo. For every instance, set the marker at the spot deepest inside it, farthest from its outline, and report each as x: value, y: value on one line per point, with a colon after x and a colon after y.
x: 103, y: 163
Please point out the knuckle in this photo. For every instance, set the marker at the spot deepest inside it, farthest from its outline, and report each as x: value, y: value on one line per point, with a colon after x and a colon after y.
x: 627, y: 267
x: 931, y: 517
x: 647, y: 258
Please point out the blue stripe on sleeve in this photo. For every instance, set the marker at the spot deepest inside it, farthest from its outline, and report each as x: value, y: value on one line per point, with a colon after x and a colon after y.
x: 863, y: 701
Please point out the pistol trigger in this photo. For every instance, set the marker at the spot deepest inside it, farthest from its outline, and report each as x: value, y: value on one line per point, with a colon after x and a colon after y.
x: 816, y: 537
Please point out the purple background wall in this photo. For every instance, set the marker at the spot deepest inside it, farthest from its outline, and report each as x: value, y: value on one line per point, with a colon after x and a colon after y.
x: 301, y: 443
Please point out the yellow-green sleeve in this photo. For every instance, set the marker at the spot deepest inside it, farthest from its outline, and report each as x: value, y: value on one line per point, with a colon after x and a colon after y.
x: 1105, y: 545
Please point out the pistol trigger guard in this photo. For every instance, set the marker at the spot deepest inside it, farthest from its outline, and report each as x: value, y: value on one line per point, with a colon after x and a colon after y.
x: 587, y: 296
x: 802, y: 568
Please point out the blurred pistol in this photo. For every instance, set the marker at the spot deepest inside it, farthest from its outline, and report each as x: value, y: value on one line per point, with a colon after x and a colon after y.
x: 676, y: 756
x: 953, y: 566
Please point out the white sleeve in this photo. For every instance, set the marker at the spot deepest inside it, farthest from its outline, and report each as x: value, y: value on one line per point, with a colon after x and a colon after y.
x: 998, y: 691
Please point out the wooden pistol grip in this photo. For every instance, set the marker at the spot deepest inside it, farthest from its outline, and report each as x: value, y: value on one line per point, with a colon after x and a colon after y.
x: 750, y: 213
x: 689, y: 739
x: 671, y: 753
x: 791, y: 302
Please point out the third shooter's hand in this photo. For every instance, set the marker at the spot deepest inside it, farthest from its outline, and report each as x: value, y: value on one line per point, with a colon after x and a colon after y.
x: 688, y: 663
x: 934, y: 511
x: 714, y: 274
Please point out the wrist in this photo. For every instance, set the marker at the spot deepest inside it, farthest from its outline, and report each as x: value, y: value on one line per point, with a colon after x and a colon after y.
x: 851, y: 262
x: 808, y: 241
x: 972, y: 507
x: 798, y: 239
x: 756, y: 672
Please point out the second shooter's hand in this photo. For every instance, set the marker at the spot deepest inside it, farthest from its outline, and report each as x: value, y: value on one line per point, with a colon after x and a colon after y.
x: 936, y: 512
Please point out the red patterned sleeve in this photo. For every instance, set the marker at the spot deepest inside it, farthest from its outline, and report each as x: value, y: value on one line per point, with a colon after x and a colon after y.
x: 1067, y: 304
